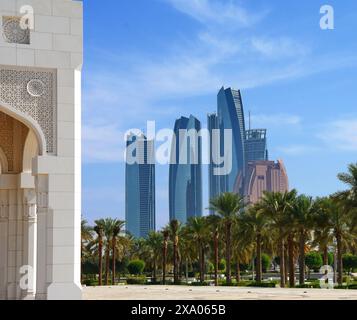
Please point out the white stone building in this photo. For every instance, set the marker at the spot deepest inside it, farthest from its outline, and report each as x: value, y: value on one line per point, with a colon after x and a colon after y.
x: 40, y: 149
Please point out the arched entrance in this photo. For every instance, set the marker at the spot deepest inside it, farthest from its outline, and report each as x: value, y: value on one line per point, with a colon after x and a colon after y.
x: 18, y: 214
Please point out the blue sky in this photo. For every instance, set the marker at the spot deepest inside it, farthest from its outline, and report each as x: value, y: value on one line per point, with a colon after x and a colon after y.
x: 161, y: 59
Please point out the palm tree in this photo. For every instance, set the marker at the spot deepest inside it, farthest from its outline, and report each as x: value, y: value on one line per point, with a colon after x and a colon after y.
x: 174, y: 228
x: 98, y: 228
x: 303, y: 212
x: 242, y: 246
x: 339, y: 219
x: 277, y: 205
x: 86, y: 238
x: 254, y: 225
x: 350, y: 179
x: 116, y: 228
x: 165, y: 234
x: 197, y: 232
x: 213, y: 222
x: 323, y: 233
x: 154, y: 243
x: 227, y: 206
x: 108, y: 230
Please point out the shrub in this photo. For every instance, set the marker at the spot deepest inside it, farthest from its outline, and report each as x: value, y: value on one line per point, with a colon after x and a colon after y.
x: 197, y: 283
x: 266, y: 261
x: 136, y: 280
x: 315, y: 285
x: 243, y: 284
x: 210, y: 267
x: 222, y: 265
x: 136, y: 267
x: 271, y: 284
x: 313, y: 261
x: 349, y: 262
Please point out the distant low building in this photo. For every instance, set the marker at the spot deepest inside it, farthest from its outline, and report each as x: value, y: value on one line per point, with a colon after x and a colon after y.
x: 265, y: 176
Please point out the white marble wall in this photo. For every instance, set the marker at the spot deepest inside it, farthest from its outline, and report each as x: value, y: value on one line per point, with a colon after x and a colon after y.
x: 56, y: 43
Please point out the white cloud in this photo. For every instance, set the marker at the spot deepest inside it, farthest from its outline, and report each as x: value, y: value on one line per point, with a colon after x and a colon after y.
x: 102, y: 143
x: 218, y: 12
x: 296, y: 150
x: 340, y: 134
x: 142, y: 88
x: 263, y: 120
x: 279, y: 47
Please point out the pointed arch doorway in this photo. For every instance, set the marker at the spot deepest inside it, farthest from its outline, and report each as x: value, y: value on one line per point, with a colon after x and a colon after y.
x: 20, y: 142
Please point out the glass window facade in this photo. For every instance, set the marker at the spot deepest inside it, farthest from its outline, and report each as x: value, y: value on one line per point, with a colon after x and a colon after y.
x: 256, y: 145
x: 231, y: 116
x: 185, y: 179
x: 140, y: 188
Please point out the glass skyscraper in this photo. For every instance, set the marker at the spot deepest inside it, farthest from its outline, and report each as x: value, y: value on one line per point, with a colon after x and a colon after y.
x: 185, y: 173
x: 231, y: 116
x: 140, y: 186
x: 256, y: 145
x: 213, y: 180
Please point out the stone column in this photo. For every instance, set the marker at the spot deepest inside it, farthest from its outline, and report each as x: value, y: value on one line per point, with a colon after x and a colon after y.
x: 41, y: 182
x: 30, y: 243
x: 4, y: 222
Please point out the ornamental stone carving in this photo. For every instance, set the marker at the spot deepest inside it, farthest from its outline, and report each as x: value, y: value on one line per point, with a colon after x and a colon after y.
x: 36, y: 88
x: 32, y: 92
x: 12, y: 31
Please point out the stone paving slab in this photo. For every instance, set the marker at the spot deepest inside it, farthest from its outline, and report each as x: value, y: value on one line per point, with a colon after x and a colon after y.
x: 158, y: 292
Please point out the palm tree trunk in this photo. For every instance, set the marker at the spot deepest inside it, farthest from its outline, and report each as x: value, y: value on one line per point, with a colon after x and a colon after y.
x: 154, y: 275
x: 339, y: 259
x: 302, y: 258
x: 259, y: 259
x: 164, y: 260
x: 282, y: 262
x: 286, y: 263
x: 114, y: 260
x: 107, y: 265
x: 216, y: 258
x: 291, y: 261
x: 175, y: 261
x: 325, y: 255
x: 237, y: 271
x: 100, y: 260
x: 202, y: 278
x: 228, y: 253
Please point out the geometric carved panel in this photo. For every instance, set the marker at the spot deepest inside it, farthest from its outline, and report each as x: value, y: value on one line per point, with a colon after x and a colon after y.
x: 12, y: 31
x: 33, y: 92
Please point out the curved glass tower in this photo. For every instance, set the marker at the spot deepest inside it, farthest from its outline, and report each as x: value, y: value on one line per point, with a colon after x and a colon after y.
x: 231, y: 116
x: 185, y: 176
x: 140, y: 186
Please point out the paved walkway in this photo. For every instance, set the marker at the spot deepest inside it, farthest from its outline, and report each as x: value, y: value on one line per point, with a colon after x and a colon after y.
x: 158, y: 292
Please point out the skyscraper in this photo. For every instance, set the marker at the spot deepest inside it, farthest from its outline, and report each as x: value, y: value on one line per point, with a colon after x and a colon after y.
x: 265, y: 176
x: 213, y: 180
x: 139, y: 186
x: 256, y: 145
x: 231, y: 116
x: 185, y: 176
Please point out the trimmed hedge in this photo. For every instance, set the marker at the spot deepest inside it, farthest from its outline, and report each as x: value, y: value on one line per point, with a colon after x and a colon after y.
x: 136, y: 280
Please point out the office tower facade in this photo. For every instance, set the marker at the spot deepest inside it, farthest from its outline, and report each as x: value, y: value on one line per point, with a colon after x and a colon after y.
x: 231, y: 116
x: 213, y: 180
x: 265, y: 176
x: 140, y: 185
x: 256, y: 145
x: 185, y: 173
